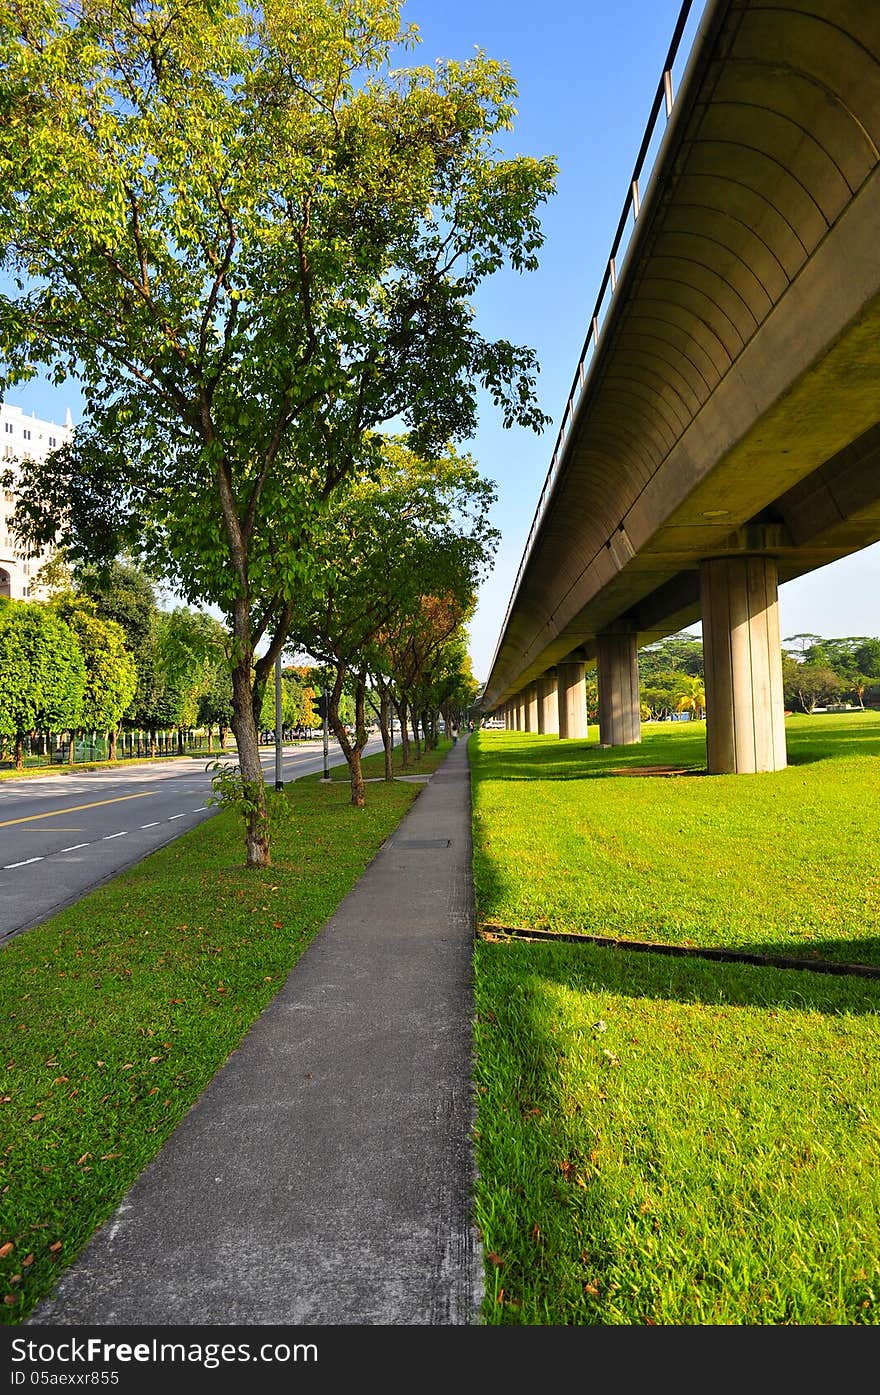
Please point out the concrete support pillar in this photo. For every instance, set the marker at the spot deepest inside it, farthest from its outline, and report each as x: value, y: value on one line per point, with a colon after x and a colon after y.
x: 618, y: 673
x: 508, y: 721
x: 571, y: 696
x: 531, y: 703
x: 519, y: 714
x: 745, y: 722
x: 548, y: 706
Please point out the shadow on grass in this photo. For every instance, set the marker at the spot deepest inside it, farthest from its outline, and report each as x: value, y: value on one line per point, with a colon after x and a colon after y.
x: 533, y: 757
x: 805, y: 747
x: 681, y: 746
x: 538, y: 1129
x: 859, y: 952
x: 596, y: 969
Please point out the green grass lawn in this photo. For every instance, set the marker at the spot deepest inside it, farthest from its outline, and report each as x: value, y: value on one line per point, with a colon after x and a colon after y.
x: 665, y: 1140
x: 777, y: 863
x: 116, y: 1013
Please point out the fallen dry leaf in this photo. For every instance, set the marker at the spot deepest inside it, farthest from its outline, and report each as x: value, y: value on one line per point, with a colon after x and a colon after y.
x: 53, y: 1249
x: 6, y: 1249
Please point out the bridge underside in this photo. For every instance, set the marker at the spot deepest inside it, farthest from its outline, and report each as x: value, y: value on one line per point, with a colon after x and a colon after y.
x: 733, y: 404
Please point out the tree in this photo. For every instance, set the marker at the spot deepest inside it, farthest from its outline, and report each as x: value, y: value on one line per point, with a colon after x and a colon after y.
x: 678, y: 652
x: 808, y: 686
x: 215, y: 705
x: 693, y: 699
x: 388, y: 540
x: 796, y: 646
x: 662, y: 693
x: 190, y: 648
x: 867, y: 657
x: 110, y: 671
x: 42, y: 673
x: 256, y: 244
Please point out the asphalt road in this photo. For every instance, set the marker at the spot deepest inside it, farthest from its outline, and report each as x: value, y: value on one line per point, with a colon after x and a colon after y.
x: 62, y: 835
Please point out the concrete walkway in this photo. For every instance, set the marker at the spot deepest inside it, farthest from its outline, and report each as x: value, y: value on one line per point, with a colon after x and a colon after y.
x: 325, y: 1175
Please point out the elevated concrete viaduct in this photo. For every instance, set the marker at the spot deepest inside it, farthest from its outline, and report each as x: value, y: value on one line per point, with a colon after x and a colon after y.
x: 723, y: 432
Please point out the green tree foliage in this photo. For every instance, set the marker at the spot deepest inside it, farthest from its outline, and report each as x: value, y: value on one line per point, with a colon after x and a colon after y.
x: 255, y: 242
x: 676, y: 653
x: 126, y: 596
x: 111, y: 673
x: 413, y: 529
x: 662, y: 692
x: 215, y: 705
x: 42, y: 673
x: 191, y: 651
x: 808, y: 686
x: 121, y: 593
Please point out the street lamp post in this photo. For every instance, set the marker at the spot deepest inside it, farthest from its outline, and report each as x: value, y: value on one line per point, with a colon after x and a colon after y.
x: 326, y: 736
x: 279, y: 782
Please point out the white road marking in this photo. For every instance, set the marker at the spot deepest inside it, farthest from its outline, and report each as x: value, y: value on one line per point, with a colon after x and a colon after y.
x: 151, y: 825
x: 108, y: 836
x: 176, y: 816
x: 74, y: 847
x: 9, y: 865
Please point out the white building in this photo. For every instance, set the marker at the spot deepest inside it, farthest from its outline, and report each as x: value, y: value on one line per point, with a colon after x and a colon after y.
x: 22, y: 437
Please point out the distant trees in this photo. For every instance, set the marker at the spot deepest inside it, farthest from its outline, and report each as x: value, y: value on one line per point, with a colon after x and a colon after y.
x: 110, y: 670
x: 42, y: 673
x: 677, y: 653
x: 819, y: 672
x: 816, y: 672
x: 100, y: 657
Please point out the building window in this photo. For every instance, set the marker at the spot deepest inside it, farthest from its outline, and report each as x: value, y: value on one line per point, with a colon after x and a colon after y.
x: 8, y: 427
x: 51, y: 440
x: 27, y: 434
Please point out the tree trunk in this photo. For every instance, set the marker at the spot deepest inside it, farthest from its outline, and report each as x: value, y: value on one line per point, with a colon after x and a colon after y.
x: 244, y: 725
x: 417, y: 745
x: 404, y: 733
x: 70, y: 748
x: 152, y: 743
x: 19, y: 751
x: 386, y: 737
x: 350, y: 749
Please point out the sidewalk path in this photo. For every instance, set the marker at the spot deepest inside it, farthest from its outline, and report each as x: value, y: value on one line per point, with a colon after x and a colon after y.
x: 325, y: 1175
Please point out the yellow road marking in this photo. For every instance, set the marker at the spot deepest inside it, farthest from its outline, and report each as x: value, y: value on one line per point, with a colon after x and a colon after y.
x: 75, y: 808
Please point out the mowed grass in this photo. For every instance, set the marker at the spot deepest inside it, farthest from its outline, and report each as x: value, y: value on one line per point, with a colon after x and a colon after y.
x: 666, y: 1140
x: 675, y: 1142
x: 775, y: 863
x: 115, y: 1014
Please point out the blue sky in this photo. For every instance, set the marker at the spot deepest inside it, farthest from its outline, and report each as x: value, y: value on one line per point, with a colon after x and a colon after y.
x: 586, y: 74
